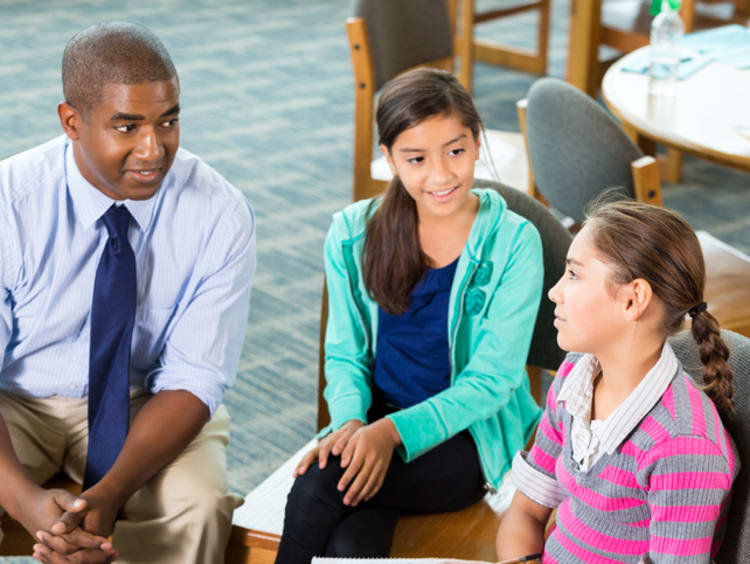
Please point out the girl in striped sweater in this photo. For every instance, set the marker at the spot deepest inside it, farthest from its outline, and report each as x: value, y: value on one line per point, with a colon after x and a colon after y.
x: 631, y: 452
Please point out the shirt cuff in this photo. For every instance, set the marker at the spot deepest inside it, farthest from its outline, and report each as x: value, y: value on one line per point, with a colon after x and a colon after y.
x: 343, y: 409
x: 535, y: 484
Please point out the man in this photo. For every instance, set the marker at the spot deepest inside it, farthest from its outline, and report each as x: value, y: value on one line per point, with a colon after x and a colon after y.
x: 125, y: 272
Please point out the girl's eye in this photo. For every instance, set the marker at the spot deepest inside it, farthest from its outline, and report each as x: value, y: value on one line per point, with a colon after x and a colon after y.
x: 457, y: 151
x: 572, y: 274
x: 127, y: 128
x: 415, y: 160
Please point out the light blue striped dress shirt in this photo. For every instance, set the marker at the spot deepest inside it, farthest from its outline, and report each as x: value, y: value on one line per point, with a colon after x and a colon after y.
x: 194, y: 245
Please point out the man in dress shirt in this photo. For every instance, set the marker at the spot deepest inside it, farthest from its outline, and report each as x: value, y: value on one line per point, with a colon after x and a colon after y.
x: 164, y: 499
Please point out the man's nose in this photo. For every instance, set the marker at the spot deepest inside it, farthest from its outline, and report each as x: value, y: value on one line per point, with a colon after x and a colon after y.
x: 149, y: 146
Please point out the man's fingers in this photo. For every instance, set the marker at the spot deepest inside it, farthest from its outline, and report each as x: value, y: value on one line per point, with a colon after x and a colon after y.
x: 69, y: 502
x: 48, y: 556
x: 84, y: 539
x: 56, y: 543
x: 93, y: 556
x: 67, y: 522
x: 40, y: 552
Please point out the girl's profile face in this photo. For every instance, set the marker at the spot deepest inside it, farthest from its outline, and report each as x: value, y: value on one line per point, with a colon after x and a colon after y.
x: 435, y: 162
x: 588, y: 316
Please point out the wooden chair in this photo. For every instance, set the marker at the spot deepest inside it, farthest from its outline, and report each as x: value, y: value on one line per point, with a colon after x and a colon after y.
x: 576, y: 150
x: 388, y: 37
x: 469, y: 48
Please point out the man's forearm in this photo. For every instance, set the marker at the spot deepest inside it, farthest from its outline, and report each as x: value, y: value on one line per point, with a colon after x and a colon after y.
x: 15, y: 483
x: 162, y: 429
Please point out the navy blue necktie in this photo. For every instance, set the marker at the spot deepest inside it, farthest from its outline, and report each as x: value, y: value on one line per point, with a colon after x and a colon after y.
x: 112, y: 318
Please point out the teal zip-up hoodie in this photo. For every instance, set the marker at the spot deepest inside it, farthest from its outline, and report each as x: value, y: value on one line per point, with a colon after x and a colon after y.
x: 493, y: 305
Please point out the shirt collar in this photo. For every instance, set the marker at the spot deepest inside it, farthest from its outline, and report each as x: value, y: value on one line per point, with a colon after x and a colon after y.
x: 579, y: 385
x: 91, y: 203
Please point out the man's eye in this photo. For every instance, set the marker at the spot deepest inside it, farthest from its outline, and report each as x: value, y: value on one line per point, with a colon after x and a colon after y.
x: 170, y: 123
x: 127, y: 128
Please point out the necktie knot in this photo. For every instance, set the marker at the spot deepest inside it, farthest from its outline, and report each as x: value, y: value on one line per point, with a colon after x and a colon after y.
x: 117, y: 220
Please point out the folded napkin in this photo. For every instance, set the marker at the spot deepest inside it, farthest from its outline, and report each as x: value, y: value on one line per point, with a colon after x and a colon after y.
x: 728, y: 44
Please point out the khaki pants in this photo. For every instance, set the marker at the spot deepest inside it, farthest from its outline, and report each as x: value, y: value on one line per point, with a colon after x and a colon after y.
x: 182, y: 515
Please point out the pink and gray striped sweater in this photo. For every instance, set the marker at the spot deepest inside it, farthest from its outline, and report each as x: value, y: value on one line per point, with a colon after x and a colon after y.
x: 663, y: 492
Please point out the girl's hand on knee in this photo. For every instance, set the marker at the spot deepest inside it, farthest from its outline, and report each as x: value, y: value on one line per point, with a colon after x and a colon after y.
x: 304, y: 464
x: 366, y: 458
x: 345, y: 433
x: 333, y: 443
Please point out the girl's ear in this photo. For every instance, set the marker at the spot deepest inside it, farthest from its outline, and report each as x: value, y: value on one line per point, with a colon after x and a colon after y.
x: 389, y: 159
x: 478, y: 143
x: 636, y: 298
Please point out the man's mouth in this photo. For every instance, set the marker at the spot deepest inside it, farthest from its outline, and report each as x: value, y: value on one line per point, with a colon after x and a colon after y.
x: 145, y: 174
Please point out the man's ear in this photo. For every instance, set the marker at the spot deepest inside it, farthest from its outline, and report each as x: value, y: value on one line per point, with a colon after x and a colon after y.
x: 636, y: 298
x: 388, y: 159
x: 70, y: 119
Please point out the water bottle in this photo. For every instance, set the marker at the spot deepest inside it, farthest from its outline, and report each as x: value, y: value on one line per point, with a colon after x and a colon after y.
x: 666, y: 38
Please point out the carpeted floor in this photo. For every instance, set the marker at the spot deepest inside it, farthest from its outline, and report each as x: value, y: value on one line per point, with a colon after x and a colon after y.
x: 267, y: 100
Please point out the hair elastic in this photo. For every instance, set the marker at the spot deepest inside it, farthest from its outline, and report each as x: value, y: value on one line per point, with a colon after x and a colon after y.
x: 695, y: 310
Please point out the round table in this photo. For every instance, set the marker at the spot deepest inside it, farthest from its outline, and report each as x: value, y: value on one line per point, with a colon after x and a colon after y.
x: 708, y: 117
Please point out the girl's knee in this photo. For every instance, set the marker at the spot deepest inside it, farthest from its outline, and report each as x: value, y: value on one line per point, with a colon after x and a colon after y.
x: 317, y: 484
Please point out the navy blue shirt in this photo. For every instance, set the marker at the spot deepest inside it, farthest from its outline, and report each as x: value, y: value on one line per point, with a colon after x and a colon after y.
x: 412, y: 358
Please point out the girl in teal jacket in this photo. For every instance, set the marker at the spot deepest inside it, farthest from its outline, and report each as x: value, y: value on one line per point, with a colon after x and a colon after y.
x: 433, y: 293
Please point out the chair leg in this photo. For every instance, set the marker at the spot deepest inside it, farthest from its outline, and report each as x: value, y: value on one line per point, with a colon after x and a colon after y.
x: 671, y: 166
x: 463, y: 43
x: 543, y: 35
x: 583, y: 46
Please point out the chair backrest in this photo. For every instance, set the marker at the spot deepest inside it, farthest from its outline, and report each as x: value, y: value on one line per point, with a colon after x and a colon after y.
x: 544, y: 352
x: 736, y: 545
x: 404, y: 34
x: 387, y: 37
x: 576, y: 149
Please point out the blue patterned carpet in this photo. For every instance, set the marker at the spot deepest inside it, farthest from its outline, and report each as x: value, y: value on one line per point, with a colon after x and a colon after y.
x: 267, y: 100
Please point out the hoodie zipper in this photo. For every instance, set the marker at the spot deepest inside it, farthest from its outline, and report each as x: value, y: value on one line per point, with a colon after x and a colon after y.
x: 462, y: 292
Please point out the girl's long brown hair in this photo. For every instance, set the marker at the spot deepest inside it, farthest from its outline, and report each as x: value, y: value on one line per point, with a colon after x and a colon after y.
x: 392, y: 258
x: 657, y: 245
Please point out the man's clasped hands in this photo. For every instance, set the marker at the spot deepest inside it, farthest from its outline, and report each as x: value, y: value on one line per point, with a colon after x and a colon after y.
x: 70, y: 528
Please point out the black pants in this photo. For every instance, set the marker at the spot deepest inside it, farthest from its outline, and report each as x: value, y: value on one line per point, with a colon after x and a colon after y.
x: 317, y: 523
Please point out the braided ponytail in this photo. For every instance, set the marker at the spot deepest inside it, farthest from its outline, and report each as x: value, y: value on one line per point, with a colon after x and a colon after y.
x: 656, y: 244
x: 713, y: 351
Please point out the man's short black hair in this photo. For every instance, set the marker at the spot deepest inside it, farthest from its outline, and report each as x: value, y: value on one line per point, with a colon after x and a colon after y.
x: 111, y: 53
